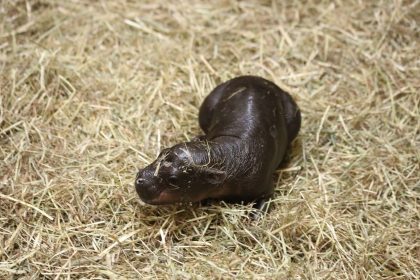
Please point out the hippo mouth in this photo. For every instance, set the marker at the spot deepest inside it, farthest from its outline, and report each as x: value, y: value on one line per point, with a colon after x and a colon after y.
x: 166, y: 197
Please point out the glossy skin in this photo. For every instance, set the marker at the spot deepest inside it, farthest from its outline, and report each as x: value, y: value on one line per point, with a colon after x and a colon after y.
x: 249, y: 123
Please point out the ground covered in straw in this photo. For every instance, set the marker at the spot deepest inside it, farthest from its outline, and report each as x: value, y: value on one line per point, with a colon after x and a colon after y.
x: 92, y: 90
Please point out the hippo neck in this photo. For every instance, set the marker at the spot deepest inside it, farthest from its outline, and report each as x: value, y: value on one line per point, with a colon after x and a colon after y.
x: 233, y: 155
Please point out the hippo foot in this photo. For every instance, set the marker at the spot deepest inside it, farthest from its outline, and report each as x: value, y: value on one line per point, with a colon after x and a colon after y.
x: 261, y: 208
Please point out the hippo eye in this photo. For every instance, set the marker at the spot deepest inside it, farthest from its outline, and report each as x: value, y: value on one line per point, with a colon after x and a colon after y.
x: 173, y: 180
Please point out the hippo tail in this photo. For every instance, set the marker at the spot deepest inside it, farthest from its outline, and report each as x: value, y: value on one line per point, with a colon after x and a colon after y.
x: 292, y: 114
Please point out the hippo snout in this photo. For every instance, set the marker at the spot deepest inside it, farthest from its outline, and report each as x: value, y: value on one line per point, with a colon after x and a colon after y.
x: 147, y: 188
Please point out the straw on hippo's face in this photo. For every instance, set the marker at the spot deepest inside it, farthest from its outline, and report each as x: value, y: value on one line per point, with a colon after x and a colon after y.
x: 176, y: 176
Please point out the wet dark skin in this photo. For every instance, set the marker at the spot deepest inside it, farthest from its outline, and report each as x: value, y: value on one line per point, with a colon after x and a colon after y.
x: 249, y: 124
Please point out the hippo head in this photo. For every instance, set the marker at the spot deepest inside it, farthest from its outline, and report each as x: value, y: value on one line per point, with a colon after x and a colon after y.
x: 182, y: 173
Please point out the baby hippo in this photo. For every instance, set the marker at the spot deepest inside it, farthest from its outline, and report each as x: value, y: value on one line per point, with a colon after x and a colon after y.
x: 249, y: 124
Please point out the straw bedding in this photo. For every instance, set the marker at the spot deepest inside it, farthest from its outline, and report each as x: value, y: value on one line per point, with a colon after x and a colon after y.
x: 90, y: 91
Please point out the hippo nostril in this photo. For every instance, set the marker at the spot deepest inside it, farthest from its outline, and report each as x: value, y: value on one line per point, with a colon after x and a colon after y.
x: 140, y: 180
x: 147, y: 189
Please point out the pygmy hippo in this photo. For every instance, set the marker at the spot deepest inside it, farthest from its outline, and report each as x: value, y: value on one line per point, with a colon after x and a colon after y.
x: 249, y: 123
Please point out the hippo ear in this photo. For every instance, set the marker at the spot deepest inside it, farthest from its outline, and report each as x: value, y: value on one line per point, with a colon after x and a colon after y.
x: 164, y: 151
x: 213, y: 175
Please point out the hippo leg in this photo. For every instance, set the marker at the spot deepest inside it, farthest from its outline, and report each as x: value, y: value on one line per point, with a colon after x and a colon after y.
x: 292, y: 115
x: 286, y: 158
x: 206, y: 202
x: 261, y: 208
x: 262, y: 204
